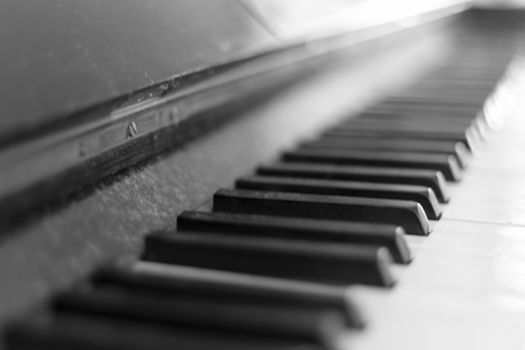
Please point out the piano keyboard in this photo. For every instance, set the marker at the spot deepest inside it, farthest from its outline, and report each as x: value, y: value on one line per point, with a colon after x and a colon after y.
x: 269, y: 263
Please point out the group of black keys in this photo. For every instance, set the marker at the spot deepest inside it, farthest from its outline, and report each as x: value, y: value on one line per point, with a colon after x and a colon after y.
x: 267, y: 267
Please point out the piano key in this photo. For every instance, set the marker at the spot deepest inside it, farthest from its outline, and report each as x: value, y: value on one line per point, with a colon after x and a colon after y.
x: 398, y: 124
x: 469, y: 136
x: 435, y: 101
x: 427, y: 102
x: 478, y: 93
x: 89, y: 332
x: 475, y: 124
x: 389, y: 236
x: 225, y: 316
x: 422, y: 195
x: 447, y: 164
x: 428, y: 110
x: 472, y: 119
x: 306, y: 261
x: 457, y: 149
x: 410, y: 215
x: 478, y: 80
x: 419, y: 117
x: 466, y: 138
x: 416, y: 117
x: 418, y: 177
x: 430, y: 88
x: 466, y: 87
x: 472, y: 127
x: 213, y: 284
x: 465, y: 129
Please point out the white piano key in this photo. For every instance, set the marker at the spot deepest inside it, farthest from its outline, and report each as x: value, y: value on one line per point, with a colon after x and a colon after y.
x: 465, y: 290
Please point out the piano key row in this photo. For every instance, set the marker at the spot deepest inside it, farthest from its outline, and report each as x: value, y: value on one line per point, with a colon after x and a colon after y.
x: 268, y: 266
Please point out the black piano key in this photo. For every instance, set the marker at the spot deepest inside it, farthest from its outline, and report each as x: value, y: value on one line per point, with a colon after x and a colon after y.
x: 422, y: 195
x: 419, y: 177
x: 414, y: 125
x: 306, y: 261
x: 90, y: 332
x: 410, y: 116
x: 431, y: 146
x: 440, y: 95
x: 410, y: 215
x: 467, y: 135
x: 467, y: 138
x: 469, y: 102
x: 470, y: 121
x: 453, y: 88
x: 420, y: 117
x: 434, y: 107
x: 389, y: 236
x: 193, y: 312
x: 447, y: 131
x: 447, y: 164
x: 219, y: 285
x: 427, y: 110
x: 435, y: 101
x: 468, y: 131
x: 424, y: 111
x: 457, y: 149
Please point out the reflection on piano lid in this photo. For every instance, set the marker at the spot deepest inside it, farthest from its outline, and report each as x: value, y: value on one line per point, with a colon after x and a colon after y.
x: 314, y: 222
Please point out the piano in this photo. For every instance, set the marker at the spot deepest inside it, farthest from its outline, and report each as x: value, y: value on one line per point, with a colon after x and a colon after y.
x: 261, y: 175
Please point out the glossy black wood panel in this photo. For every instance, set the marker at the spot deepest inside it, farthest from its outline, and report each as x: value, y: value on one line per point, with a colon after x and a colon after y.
x: 61, y: 56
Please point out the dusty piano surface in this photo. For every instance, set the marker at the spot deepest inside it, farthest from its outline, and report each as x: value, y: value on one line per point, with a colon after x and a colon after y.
x: 344, y: 138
